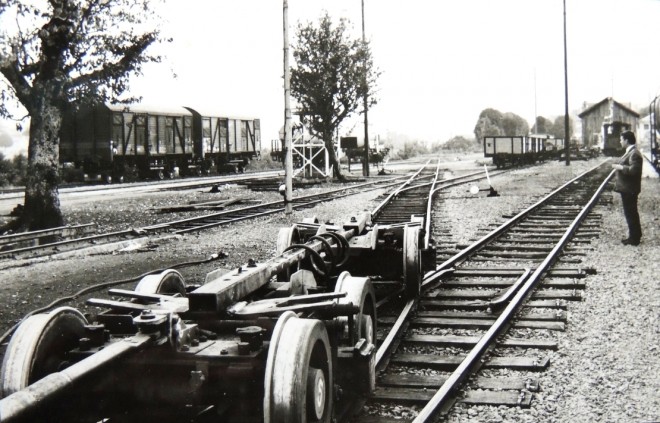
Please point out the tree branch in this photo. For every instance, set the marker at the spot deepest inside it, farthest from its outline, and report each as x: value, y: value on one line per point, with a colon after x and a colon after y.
x: 110, y: 70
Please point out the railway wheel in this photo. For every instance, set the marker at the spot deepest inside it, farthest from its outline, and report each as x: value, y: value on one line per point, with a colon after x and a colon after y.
x: 286, y: 237
x: 169, y: 282
x: 298, y: 379
x: 39, y: 347
x: 360, y: 292
x: 412, y: 264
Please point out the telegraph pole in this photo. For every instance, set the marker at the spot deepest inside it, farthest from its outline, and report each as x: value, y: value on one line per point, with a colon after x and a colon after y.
x: 365, y: 160
x: 536, y: 114
x: 288, y: 158
x: 653, y: 126
x: 567, y: 140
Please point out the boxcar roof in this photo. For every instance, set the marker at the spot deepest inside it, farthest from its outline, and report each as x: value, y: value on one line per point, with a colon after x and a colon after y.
x: 206, y: 112
x: 150, y: 109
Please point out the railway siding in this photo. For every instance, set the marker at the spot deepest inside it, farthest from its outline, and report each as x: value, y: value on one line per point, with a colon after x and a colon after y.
x: 253, y: 240
x: 599, y: 373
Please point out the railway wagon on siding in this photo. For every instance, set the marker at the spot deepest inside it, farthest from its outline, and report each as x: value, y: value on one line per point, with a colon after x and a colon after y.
x: 227, y: 144
x: 110, y: 142
x: 514, y: 150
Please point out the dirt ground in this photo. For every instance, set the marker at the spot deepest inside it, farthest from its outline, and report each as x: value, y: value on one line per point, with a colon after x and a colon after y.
x: 604, y: 373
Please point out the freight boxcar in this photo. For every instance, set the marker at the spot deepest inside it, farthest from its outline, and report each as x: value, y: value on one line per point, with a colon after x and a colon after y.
x: 110, y: 142
x: 226, y: 144
x: 514, y: 150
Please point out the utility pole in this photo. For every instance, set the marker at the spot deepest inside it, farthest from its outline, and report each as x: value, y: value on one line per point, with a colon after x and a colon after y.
x: 536, y: 116
x: 567, y: 139
x: 288, y: 157
x: 653, y: 127
x: 365, y: 160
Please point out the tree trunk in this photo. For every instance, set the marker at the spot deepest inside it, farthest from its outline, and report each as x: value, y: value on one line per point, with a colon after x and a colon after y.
x: 330, y: 146
x: 42, y: 203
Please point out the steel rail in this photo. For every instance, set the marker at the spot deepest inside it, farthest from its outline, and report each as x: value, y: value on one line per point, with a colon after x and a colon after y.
x: 450, y: 386
x: 55, y: 245
x: 474, y: 247
x: 449, y: 183
x: 389, y: 198
x: 429, y: 209
x: 297, y: 204
x: 17, y: 193
x: 385, y: 346
x: 277, y: 206
x: 34, y: 235
x: 446, y: 183
x: 132, y: 233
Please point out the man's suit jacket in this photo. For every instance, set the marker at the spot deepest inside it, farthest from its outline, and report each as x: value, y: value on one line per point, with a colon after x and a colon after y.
x: 629, y: 180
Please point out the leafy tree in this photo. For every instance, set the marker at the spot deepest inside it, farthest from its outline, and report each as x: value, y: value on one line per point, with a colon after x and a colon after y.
x: 492, y: 123
x: 5, y: 171
x: 457, y: 143
x: 558, y: 127
x: 19, y: 166
x: 489, y: 124
x: 513, y: 125
x: 332, y: 73
x: 12, y: 171
x: 55, y: 54
x: 542, y: 126
x: 412, y: 149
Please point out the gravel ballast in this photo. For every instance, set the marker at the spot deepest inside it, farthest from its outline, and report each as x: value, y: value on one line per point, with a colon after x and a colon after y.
x: 607, y: 365
x: 608, y: 362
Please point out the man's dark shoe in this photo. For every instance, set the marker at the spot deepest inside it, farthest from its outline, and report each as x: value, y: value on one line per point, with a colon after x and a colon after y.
x: 629, y: 241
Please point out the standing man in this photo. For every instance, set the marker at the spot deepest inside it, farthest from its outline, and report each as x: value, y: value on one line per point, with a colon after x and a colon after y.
x: 628, y: 184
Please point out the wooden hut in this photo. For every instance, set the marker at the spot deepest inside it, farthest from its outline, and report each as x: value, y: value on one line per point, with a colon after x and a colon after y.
x: 599, y: 117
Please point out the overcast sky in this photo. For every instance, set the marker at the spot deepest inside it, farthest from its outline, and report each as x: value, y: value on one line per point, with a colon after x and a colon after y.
x: 442, y: 62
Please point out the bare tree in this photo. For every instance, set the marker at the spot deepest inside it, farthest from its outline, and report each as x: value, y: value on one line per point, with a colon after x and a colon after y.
x: 330, y: 78
x: 55, y: 54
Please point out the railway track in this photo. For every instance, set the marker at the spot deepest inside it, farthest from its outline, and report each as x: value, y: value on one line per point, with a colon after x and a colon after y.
x: 345, y: 322
x: 483, y: 322
x: 188, y: 183
x: 133, y: 325
x: 431, y: 328
x: 42, y: 243
x: 181, y: 226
